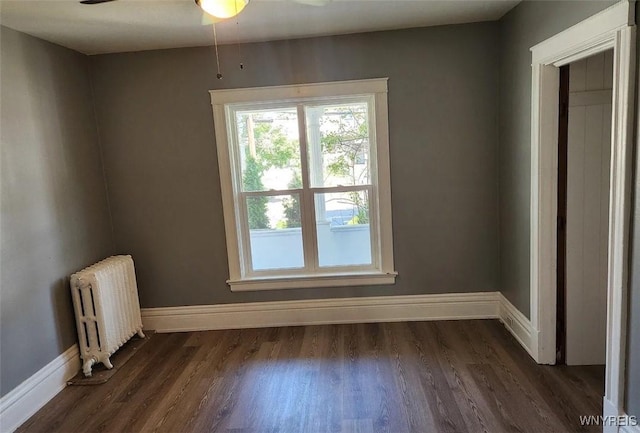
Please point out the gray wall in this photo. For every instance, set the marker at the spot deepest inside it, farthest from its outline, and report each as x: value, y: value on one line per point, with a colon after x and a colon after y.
x: 633, y: 344
x: 55, y: 217
x: 155, y: 123
x: 527, y: 24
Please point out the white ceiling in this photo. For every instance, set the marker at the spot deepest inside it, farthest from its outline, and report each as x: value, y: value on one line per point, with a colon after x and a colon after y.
x: 135, y: 25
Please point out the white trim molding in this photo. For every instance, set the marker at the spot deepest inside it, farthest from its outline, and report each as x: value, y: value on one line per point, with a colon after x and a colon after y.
x: 302, y: 282
x: 452, y: 306
x: 518, y: 324
x: 609, y: 409
x: 629, y: 429
x: 591, y: 36
x: 613, y: 28
x: 26, y: 399
x: 298, y: 91
x: 611, y: 412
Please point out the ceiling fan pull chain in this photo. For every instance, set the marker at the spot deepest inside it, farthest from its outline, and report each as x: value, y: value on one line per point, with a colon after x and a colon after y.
x: 238, y: 38
x: 215, y: 42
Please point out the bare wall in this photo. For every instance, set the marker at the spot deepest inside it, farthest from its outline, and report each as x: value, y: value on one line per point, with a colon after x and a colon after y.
x: 55, y: 217
x: 524, y: 26
x: 156, y: 128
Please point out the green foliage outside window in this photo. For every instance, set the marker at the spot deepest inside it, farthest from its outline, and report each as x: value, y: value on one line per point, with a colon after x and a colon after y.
x: 292, y: 205
x: 256, y: 206
x: 344, y: 149
x: 348, y: 146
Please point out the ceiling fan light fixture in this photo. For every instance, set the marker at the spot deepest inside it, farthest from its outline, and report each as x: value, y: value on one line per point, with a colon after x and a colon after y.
x: 222, y: 8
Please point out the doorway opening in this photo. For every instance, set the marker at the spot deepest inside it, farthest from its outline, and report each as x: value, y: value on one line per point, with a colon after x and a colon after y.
x: 584, y: 160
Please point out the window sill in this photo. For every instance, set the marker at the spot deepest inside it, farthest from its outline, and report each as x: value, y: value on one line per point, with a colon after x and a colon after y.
x: 311, y: 281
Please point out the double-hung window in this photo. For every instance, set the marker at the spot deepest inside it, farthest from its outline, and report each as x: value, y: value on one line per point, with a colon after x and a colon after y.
x: 305, y: 183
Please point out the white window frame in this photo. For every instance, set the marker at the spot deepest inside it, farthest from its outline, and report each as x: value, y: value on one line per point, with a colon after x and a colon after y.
x: 224, y: 103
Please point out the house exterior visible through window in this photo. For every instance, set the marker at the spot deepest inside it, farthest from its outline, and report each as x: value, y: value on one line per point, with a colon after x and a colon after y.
x: 305, y: 182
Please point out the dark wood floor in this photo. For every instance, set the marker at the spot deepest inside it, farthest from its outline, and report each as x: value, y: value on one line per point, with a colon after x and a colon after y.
x: 465, y: 376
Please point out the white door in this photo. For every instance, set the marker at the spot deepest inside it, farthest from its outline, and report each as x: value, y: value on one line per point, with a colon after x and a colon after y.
x: 588, y: 167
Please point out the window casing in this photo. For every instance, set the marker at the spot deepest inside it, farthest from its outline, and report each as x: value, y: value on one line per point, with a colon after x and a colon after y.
x: 305, y: 182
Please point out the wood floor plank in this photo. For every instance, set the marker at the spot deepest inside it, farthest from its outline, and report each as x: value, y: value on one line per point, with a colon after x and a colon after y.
x: 357, y: 426
x: 185, y: 400
x: 512, y: 377
x: 389, y: 416
x: 441, y: 377
x: 143, y: 393
x: 331, y: 373
x: 96, y: 398
x: 54, y: 415
x: 499, y: 399
x: 220, y: 407
x: 473, y: 406
x: 183, y: 405
x: 548, y: 384
x: 437, y: 391
x: 419, y: 418
x: 310, y: 361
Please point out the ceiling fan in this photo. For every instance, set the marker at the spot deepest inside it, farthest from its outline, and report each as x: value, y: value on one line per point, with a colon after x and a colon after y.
x: 216, y: 10
x: 222, y: 8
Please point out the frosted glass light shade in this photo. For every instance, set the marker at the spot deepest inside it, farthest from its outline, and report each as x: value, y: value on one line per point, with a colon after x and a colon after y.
x: 222, y: 8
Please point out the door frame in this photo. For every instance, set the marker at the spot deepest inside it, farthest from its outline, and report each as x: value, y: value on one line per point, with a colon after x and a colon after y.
x: 613, y: 28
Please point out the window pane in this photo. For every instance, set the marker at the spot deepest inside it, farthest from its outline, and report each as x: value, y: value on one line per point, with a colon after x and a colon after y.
x: 269, y: 148
x: 274, y: 232
x: 338, y: 142
x: 342, y: 224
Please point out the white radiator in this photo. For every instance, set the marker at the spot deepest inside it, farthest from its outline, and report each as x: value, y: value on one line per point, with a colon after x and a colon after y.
x: 105, y: 298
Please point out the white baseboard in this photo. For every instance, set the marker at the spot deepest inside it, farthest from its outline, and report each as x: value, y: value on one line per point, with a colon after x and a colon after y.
x: 518, y: 324
x: 27, y: 398
x: 610, y: 410
x: 629, y: 429
x: 452, y: 306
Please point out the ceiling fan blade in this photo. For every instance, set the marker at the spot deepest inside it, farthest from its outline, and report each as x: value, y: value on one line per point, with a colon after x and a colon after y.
x: 95, y: 2
x: 313, y: 2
